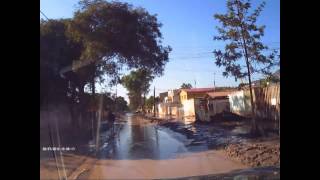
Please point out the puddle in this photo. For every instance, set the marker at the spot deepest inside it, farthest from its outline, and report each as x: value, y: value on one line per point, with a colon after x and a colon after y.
x: 140, y: 139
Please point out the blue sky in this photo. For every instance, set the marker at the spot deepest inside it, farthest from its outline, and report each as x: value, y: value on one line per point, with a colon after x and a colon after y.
x: 188, y: 27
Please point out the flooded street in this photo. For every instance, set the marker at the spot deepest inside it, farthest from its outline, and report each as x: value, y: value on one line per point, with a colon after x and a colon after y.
x: 140, y: 139
x: 142, y: 149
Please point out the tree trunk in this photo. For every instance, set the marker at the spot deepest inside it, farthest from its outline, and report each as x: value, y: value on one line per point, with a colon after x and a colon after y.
x: 144, y: 103
x: 254, y: 126
x: 81, y: 105
x: 72, y: 107
x: 93, y: 87
x: 93, y: 116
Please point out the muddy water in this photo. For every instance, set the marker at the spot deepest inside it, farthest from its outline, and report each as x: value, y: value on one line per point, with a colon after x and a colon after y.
x: 144, y: 150
x: 140, y: 139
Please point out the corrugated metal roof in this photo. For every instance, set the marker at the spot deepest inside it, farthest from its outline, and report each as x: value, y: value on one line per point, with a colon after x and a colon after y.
x: 198, y: 90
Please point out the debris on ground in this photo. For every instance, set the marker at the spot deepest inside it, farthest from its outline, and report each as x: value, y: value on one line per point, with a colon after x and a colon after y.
x: 256, y: 154
x: 234, y: 137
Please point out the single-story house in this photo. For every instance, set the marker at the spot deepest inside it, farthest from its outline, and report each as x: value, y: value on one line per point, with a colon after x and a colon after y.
x: 170, y: 103
x: 190, y: 99
x: 187, y: 94
x: 212, y: 104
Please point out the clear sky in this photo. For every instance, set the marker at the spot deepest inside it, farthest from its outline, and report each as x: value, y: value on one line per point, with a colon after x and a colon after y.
x: 188, y: 27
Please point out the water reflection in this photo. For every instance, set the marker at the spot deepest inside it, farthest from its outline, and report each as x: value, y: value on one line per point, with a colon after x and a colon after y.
x: 140, y: 139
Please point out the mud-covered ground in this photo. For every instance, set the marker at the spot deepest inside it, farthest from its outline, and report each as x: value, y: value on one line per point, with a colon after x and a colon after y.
x: 256, y: 154
x: 153, y: 148
x: 234, y: 137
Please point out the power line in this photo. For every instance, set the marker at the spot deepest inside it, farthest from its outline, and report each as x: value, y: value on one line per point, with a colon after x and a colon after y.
x: 208, y: 55
x: 215, y: 46
x: 200, y: 53
x: 44, y: 15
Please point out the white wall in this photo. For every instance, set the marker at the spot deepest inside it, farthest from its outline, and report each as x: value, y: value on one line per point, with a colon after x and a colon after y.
x: 238, y: 103
x: 219, y: 105
x: 162, y: 109
x: 189, y: 107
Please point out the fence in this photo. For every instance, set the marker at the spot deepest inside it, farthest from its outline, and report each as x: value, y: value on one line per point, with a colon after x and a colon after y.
x: 267, y: 102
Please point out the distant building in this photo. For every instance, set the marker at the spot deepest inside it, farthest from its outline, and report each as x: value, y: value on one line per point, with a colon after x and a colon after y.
x: 213, y: 103
x: 187, y: 94
x: 163, y: 96
x: 169, y: 103
x: 189, y: 99
x: 174, y: 96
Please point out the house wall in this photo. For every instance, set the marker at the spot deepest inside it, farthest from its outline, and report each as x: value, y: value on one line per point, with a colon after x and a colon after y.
x: 266, y: 100
x: 162, y: 109
x: 196, y: 95
x: 218, y: 106
x: 173, y: 110
x: 174, y: 96
x: 188, y: 107
x: 186, y: 96
x: 183, y: 96
x: 205, y: 109
x: 239, y: 103
x: 201, y: 112
x: 165, y: 109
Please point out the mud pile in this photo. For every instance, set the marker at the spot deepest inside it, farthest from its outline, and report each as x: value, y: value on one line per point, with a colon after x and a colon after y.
x: 256, y: 154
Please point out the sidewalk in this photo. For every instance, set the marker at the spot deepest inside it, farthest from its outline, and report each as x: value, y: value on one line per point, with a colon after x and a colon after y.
x: 63, y: 167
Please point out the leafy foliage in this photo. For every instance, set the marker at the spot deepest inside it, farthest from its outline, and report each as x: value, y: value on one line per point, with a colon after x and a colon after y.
x: 186, y: 86
x: 56, y: 52
x: 242, y: 37
x: 243, y: 41
x: 121, y: 104
x: 150, y: 102
x: 137, y: 83
x: 101, y: 39
x: 116, y: 34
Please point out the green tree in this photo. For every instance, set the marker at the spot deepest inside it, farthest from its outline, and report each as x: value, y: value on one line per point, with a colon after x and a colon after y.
x: 101, y: 39
x: 242, y: 35
x: 150, y: 102
x: 242, y: 85
x: 186, y: 86
x: 137, y: 83
x: 57, y: 50
x: 114, y: 35
x: 121, y: 104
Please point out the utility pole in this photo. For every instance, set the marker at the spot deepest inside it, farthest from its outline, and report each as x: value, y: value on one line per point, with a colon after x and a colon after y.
x: 214, y: 80
x: 154, y: 101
